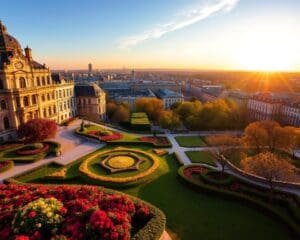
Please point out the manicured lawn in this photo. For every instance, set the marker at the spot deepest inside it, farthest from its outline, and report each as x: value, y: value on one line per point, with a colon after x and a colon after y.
x: 194, y: 215
x: 201, y: 157
x: 190, y: 141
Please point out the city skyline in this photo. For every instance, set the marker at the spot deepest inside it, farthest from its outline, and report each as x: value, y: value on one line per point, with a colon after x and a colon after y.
x: 200, y: 35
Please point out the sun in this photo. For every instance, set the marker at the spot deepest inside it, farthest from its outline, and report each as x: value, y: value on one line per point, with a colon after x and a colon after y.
x: 263, y: 51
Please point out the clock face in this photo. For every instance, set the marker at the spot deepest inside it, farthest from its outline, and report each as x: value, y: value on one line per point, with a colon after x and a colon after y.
x: 18, y: 65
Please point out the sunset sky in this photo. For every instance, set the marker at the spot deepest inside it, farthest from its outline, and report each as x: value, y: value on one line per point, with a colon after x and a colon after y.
x: 193, y: 34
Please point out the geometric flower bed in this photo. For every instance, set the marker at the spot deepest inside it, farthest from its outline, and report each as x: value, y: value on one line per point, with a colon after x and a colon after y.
x: 90, y: 166
x: 110, y: 137
x: 119, y: 163
x: 30, y: 152
x: 6, y: 165
x: 161, y: 141
x: 32, y: 149
x: 68, y: 212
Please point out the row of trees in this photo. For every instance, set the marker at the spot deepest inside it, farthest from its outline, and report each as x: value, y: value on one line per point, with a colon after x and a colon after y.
x: 270, y: 135
x: 218, y: 114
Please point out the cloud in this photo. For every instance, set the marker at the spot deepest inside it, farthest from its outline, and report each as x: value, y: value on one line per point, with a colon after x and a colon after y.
x: 188, y: 18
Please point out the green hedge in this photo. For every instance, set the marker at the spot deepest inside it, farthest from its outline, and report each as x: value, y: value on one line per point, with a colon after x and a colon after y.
x: 197, y: 185
x: 206, y: 178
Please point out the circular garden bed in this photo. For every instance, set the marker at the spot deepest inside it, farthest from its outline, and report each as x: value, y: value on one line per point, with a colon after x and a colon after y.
x: 106, y: 135
x: 33, y: 149
x: 119, y: 165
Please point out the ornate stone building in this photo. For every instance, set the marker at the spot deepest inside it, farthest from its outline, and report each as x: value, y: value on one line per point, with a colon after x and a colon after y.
x: 26, y: 88
x: 91, y: 101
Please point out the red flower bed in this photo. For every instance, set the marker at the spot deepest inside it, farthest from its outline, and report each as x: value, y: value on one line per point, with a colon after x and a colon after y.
x: 155, y: 140
x: 34, y: 151
x: 188, y: 172
x: 4, y: 164
x: 112, y: 137
x: 87, y: 213
x: 9, y: 146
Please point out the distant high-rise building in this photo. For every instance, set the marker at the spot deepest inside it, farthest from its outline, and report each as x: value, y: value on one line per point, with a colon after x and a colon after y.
x: 90, y: 69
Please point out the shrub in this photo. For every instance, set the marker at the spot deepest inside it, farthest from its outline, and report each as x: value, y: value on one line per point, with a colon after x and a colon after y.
x: 37, y: 130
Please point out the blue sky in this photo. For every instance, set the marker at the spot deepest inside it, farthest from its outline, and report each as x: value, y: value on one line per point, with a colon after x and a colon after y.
x: 201, y: 34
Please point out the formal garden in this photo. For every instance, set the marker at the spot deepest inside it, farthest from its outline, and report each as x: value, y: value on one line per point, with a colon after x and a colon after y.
x: 113, y: 137
x: 197, y: 199
x: 163, y: 190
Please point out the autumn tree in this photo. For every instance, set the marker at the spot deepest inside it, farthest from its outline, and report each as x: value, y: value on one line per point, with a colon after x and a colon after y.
x: 291, y: 140
x: 269, y: 166
x: 169, y: 120
x: 111, y: 108
x: 37, y: 130
x: 152, y: 106
x: 224, y: 145
x: 121, y: 114
x: 267, y: 134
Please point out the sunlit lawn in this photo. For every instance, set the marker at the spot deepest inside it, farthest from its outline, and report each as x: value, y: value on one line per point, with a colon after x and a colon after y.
x: 190, y: 141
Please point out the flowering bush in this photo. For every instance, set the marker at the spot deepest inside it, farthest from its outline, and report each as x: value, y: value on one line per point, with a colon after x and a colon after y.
x: 32, y: 212
x: 42, y: 215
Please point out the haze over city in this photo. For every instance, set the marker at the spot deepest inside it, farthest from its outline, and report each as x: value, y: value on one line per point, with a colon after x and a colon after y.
x: 172, y: 34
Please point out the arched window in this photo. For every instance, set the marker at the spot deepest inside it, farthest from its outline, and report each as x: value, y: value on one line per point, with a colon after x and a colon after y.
x: 3, y: 105
x: 64, y: 93
x: 22, y: 82
x: 6, y: 123
x: 43, y: 81
x: 53, y: 95
x: 50, y: 111
x: 1, y: 84
x: 48, y: 96
x: 26, y: 102
x: 43, y: 98
x: 33, y: 99
x: 38, y: 82
x: 45, y: 112
x: 18, y: 102
x: 54, y: 109
x: 60, y: 93
x: 48, y: 80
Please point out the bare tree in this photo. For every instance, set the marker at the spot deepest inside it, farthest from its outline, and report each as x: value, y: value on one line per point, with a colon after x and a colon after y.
x: 224, y: 144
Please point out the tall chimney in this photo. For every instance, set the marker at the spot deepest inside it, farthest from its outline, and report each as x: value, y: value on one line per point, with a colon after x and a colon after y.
x: 28, y: 53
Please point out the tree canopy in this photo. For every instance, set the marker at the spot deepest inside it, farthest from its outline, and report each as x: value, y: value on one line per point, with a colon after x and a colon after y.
x: 37, y: 130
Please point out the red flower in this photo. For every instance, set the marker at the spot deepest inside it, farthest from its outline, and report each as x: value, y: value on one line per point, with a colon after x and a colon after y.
x: 32, y: 214
x: 63, y: 210
x: 22, y: 237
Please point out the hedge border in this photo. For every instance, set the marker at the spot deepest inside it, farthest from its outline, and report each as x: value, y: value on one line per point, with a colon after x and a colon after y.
x: 204, y: 176
x: 293, y: 227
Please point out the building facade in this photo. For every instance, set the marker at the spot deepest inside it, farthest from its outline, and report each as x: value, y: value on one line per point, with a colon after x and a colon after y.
x: 169, y: 97
x: 65, y: 95
x: 91, y: 102
x: 26, y: 87
x: 28, y: 90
